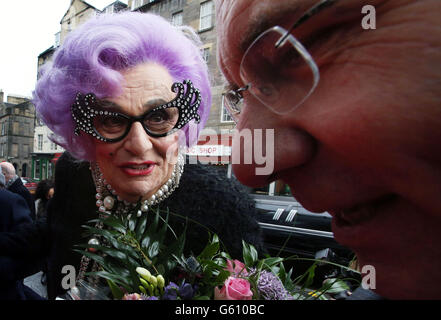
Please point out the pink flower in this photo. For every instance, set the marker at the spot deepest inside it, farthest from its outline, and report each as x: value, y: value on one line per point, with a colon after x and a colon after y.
x: 234, y: 289
x: 132, y: 296
x: 236, y: 268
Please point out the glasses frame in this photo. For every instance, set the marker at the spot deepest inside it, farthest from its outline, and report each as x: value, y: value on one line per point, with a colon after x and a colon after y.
x: 86, y: 108
x: 299, y: 47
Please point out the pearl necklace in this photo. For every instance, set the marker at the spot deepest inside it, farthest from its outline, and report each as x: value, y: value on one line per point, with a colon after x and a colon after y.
x: 106, y: 203
x: 105, y: 194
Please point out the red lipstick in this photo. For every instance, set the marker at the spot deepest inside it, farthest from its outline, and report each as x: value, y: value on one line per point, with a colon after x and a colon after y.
x: 138, y: 168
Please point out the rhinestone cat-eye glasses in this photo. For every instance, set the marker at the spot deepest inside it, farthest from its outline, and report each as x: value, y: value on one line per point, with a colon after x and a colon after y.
x: 109, y: 126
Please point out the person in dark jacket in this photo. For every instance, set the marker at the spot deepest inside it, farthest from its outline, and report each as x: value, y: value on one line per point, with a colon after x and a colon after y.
x: 2, y: 179
x: 15, y: 185
x: 14, y: 213
x: 123, y: 120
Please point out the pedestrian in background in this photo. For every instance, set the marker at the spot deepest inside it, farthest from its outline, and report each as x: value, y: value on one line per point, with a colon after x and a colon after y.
x: 2, y: 179
x: 14, y: 213
x: 14, y: 184
x: 43, y: 193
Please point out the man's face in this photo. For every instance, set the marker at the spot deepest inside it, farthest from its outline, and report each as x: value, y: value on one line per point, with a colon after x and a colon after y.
x: 365, y: 145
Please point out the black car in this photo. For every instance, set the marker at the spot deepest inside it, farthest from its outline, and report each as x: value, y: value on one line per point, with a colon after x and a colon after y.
x: 289, y: 230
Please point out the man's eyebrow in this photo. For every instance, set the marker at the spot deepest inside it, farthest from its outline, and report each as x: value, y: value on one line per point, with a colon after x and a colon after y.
x: 300, y: 12
x: 259, y: 24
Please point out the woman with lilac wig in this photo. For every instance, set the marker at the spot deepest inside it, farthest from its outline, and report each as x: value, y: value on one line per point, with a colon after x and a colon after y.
x: 123, y: 94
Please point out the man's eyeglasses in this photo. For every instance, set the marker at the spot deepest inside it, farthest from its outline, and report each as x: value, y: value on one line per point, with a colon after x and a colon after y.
x: 274, y: 59
x: 163, y: 120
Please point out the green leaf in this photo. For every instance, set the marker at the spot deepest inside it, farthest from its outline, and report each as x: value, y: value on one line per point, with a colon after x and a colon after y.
x: 113, y: 277
x: 109, y: 251
x: 153, y: 250
x: 145, y: 242
x: 250, y: 255
x: 209, y: 251
x: 310, y: 276
x: 132, y: 222
x: 162, y: 232
x: 140, y: 227
x: 117, y: 293
x: 114, y: 223
x: 334, y: 285
x: 269, y: 262
x: 93, y: 256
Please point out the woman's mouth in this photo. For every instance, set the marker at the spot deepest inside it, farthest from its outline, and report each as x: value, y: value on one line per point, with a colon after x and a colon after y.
x: 138, y: 169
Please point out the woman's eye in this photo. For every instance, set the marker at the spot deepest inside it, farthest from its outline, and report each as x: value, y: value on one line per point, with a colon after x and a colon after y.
x: 106, y: 124
x: 157, y: 116
x: 112, y: 122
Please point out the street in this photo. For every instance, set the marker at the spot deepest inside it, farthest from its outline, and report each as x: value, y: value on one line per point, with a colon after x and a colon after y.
x: 34, y: 283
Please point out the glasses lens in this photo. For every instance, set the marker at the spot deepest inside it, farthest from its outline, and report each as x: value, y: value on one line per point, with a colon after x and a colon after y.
x: 161, y: 121
x: 110, y: 126
x: 280, y: 74
x: 232, y: 102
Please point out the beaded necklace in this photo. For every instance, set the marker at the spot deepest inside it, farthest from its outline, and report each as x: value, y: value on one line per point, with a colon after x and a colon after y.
x: 108, y: 202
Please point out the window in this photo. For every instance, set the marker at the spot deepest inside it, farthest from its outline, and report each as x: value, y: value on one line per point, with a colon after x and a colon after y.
x: 206, y: 15
x: 2, y: 151
x: 15, y: 128
x: 109, y: 10
x: 225, y: 117
x: 136, y: 4
x: 40, y: 142
x: 26, y: 150
x: 15, y: 150
x: 177, y: 19
x: 53, y: 146
x: 206, y: 54
x: 37, y: 169
x: 57, y: 39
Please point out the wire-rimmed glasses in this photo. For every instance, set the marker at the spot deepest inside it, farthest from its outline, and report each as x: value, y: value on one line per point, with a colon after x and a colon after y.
x: 277, y: 70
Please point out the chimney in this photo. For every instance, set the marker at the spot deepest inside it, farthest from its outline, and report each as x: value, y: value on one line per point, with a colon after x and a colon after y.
x: 1, y: 96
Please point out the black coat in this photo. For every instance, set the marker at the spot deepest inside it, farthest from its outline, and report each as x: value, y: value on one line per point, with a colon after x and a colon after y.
x: 14, y: 213
x: 204, y: 195
x: 19, y: 188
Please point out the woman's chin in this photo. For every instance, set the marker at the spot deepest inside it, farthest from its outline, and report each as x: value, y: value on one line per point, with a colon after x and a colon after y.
x: 135, y: 193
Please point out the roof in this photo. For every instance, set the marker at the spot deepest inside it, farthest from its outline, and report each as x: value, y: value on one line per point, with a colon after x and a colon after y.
x: 52, y: 48
x: 72, y: 1
x: 116, y: 4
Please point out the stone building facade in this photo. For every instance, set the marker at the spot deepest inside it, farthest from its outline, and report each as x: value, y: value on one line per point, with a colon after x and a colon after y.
x: 17, y: 116
x: 45, y: 152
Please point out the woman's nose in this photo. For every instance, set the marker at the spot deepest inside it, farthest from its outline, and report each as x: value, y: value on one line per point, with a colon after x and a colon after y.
x: 137, y: 141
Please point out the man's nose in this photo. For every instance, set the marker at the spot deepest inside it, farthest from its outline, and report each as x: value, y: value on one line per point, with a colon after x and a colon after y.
x: 291, y: 145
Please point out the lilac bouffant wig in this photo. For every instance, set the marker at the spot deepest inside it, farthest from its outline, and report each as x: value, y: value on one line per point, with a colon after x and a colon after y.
x: 92, y: 58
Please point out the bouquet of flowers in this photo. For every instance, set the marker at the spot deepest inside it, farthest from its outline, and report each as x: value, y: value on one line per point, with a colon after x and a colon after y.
x: 141, y: 258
